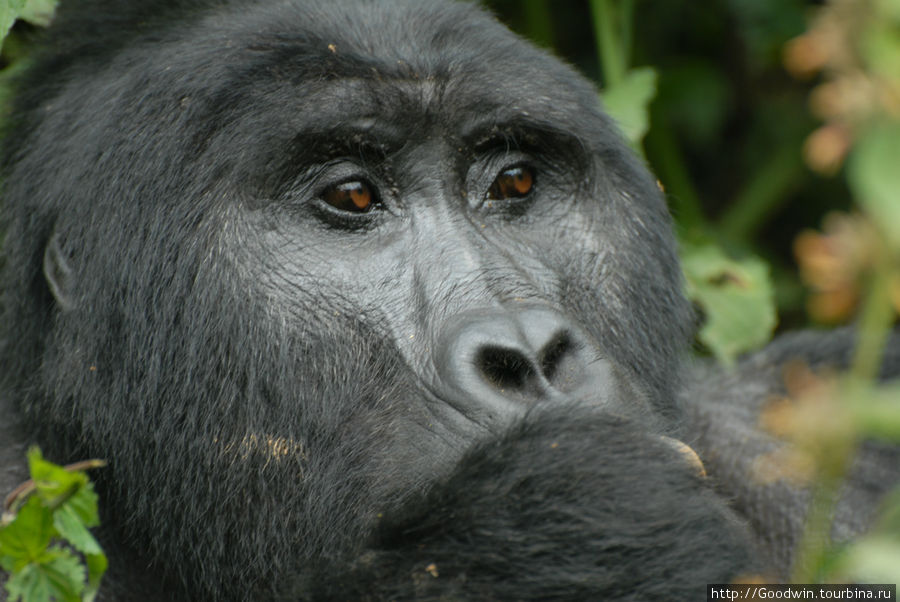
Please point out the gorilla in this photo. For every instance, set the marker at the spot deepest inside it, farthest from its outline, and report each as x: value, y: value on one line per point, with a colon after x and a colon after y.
x: 368, y: 300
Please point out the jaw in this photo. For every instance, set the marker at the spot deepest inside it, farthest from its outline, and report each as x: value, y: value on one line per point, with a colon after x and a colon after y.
x: 541, y: 511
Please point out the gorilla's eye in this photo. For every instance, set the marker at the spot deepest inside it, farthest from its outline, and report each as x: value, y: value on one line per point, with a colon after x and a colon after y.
x: 512, y: 183
x: 355, y: 196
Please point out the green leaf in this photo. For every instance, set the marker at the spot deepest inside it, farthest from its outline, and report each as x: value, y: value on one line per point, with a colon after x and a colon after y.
x: 736, y: 296
x: 9, y: 12
x: 97, y: 565
x: 888, y: 9
x: 83, y: 506
x: 26, y: 538
x: 880, y: 44
x: 55, y: 485
x: 38, y: 12
x: 874, y: 175
x: 72, y: 529
x: 877, y: 415
x: 58, y: 576
x: 874, y: 559
x: 64, y: 505
x: 628, y: 102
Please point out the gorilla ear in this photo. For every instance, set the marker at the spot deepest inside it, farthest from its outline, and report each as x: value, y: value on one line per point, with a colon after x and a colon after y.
x: 58, y: 273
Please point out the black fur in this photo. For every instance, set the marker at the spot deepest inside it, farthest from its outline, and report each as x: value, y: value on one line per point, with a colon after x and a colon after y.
x: 277, y: 386
x: 551, y: 511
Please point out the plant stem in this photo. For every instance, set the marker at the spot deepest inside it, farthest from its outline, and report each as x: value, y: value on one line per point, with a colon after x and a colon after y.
x: 684, y: 201
x: 874, y: 324
x: 539, y: 22
x: 873, y: 331
x: 762, y: 195
x: 610, y: 53
x: 626, y: 20
x: 812, y: 547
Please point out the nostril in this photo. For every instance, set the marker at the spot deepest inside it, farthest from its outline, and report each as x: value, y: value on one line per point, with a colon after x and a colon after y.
x: 553, y: 355
x: 505, y: 368
x: 497, y: 362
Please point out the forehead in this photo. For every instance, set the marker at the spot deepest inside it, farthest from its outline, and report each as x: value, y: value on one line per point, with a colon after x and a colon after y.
x: 408, y: 62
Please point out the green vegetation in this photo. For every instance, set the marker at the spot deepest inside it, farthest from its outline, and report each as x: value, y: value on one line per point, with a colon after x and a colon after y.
x: 45, y: 542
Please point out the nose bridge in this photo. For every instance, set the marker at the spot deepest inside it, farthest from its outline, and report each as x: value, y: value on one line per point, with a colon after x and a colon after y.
x: 457, y: 263
x: 461, y: 268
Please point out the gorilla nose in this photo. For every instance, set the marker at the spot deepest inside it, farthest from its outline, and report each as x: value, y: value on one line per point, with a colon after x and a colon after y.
x: 500, y: 361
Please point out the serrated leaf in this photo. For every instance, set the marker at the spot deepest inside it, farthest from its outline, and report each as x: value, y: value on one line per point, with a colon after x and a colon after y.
x: 54, y: 484
x: 736, y: 296
x: 26, y: 538
x: 59, y: 576
x: 628, y: 102
x: 84, y: 505
x: 97, y: 565
x: 73, y: 530
x: 874, y: 175
x: 63, y: 506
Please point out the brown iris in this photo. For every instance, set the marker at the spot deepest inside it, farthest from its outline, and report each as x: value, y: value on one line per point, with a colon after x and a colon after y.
x: 513, y: 183
x: 355, y: 196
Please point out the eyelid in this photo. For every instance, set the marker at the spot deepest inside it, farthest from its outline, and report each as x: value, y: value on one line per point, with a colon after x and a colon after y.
x: 329, y: 174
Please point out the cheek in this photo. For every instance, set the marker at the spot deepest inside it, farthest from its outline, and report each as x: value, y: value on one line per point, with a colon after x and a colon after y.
x: 566, y: 255
x: 419, y: 447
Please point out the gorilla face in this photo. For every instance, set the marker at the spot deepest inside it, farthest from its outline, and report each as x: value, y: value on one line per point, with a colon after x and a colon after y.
x: 291, y: 268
